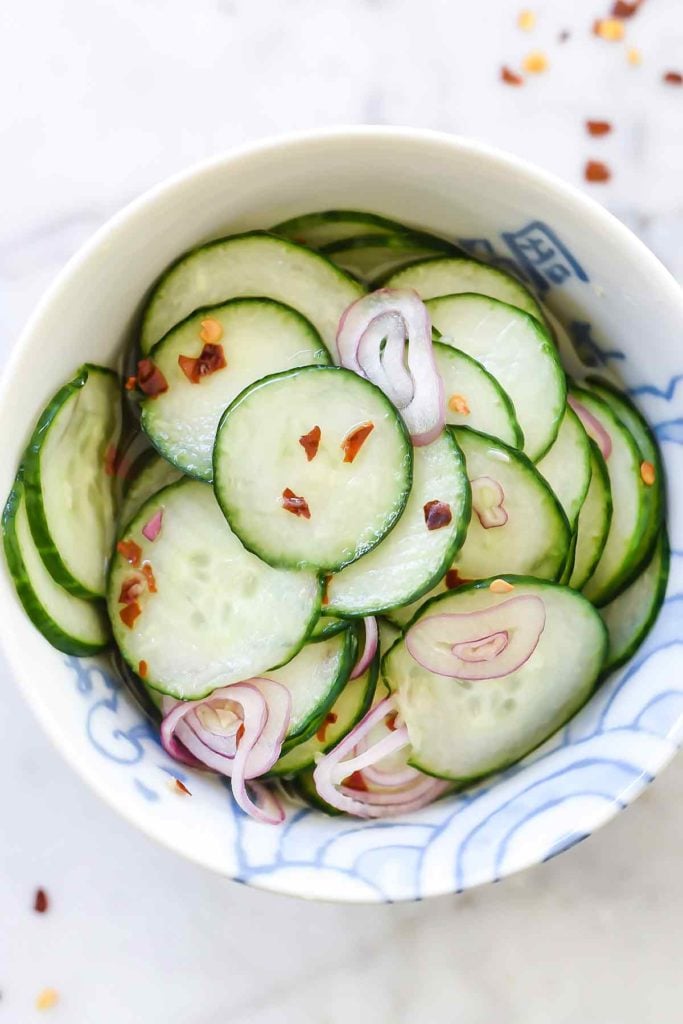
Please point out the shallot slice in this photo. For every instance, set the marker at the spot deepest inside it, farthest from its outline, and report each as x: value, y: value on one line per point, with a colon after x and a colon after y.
x: 592, y: 426
x: 369, y: 647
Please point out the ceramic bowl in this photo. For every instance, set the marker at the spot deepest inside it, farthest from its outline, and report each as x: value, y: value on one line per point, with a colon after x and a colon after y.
x: 624, y: 311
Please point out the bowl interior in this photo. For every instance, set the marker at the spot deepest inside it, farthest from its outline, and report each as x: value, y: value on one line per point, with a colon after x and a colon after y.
x: 624, y: 312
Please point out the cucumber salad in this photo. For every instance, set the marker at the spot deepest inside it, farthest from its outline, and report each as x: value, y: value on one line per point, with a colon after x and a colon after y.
x: 353, y: 534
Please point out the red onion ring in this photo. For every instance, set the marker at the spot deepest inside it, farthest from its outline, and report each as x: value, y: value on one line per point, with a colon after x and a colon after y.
x: 366, y: 323
x: 487, y: 501
x: 369, y: 647
x: 436, y: 641
x: 592, y: 426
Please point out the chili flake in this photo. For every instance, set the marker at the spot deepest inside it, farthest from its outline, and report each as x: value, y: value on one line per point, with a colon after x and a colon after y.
x: 454, y: 579
x: 329, y: 719
x: 510, y: 77
x: 624, y: 8
x: 310, y: 442
x: 130, y: 613
x: 598, y: 127
x: 143, y: 668
x: 110, y: 460
x: 131, y: 383
x: 181, y: 787
x: 48, y: 998
x: 500, y: 587
x: 151, y: 380
x: 437, y: 514
x: 210, y: 359
x: 390, y: 721
x: 634, y: 56
x: 526, y: 20
x: 458, y: 403
x: 131, y: 589
x: 535, y: 63
x: 326, y: 597
x: 131, y: 551
x: 354, y: 441
x: 296, y: 505
x: 611, y: 29
x: 149, y: 576
x: 597, y: 171
x: 647, y: 473
x: 356, y: 781
x: 673, y: 78
x: 40, y: 902
x: 212, y: 330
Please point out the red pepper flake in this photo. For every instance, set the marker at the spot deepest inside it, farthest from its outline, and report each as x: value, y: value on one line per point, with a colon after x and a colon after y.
x: 390, y: 721
x: 130, y: 613
x: 598, y: 128
x: 149, y: 576
x: 610, y: 29
x: 354, y: 441
x: 131, y: 590
x: 131, y: 383
x: 624, y: 8
x: 330, y: 719
x: 182, y: 788
x: 510, y: 77
x: 151, y: 380
x: 47, y: 999
x: 597, y: 171
x: 356, y: 781
x: 40, y: 902
x: 211, y: 358
x: 111, y: 456
x: 294, y: 504
x: 240, y: 733
x: 437, y: 514
x: 310, y: 443
x: 326, y: 597
x: 455, y: 580
x: 143, y: 668
x: 648, y: 473
x: 672, y: 78
x: 211, y: 330
x: 131, y: 551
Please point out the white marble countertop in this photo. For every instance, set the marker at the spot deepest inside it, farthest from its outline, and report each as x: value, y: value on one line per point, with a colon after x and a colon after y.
x: 100, y: 100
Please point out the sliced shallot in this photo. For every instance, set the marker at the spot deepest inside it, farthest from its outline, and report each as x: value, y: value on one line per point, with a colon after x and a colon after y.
x: 369, y: 647
x: 486, y: 644
x: 593, y: 427
x: 396, y: 317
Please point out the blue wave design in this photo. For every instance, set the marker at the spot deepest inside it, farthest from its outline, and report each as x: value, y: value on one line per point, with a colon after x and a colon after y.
x: 670, y: 430
x: 667, y: 392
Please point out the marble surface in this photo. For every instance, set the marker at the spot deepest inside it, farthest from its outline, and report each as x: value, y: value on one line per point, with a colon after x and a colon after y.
x: 101, y: 100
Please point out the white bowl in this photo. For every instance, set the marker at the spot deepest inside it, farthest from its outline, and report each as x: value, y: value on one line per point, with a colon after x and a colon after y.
x: 592, y: 272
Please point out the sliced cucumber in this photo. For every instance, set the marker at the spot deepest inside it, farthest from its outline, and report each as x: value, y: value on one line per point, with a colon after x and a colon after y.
x: 327, y: 626
x: 219, y: 614
x: 71, y: 624
x: 593, y: 523
x: 260, y: 464
x: 518, y: 352
x: 388, y: 635
x: 462, y: 730
x: 315, y: 678
x: 567, y: 465
x: 449, y: 275
x: 474, y: 398
x: 255, y: 264
x: 631, y: 615
x: 70, y: 493
x: 329, y: 226
x: 149, y: 474
x: 630, y: 499
x: 331, y: 727
x: 259, y: 337
x: 372, y: 257
x: 305, y: 788
x: 569, y: 561
x: 632, y: 419
x: 411, y: 559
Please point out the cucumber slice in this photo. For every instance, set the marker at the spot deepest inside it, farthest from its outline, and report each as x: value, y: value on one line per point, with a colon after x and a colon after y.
x: 622, y: 552
x: 567, y: 465
x: 462, y: 730
x: 411, y: 559
x: 329, y: 226
x: 331, y: 727
x: 258, y: 460
x: 219, y: 614
x: 593, y: 523
x: 259, y: 337
x: 69, y: 623
x: 388, y: 635
x: 327, y: 626
x: 70, y: 496
x: 315, y: 678
x: 149, y: 474
x: 622, y: 406
x: 518, y: 352
x: 305, y: 788
x: 474, y: 398
x: 372, y: 257
x: 449, y: 275
x: 569, y: 561
x: 254, y: 264
x: 631, y: 615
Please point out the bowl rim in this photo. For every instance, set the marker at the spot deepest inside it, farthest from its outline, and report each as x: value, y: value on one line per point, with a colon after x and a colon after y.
x: 574, y: 196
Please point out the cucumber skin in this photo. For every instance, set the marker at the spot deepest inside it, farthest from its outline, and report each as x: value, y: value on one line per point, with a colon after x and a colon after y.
x: 32, y: 606
x: 35, y: 509
x: 462, y: 783
x: 331, y: 629
x: 291, y: 227
x: 145, y: 348
x: 598, y: 462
